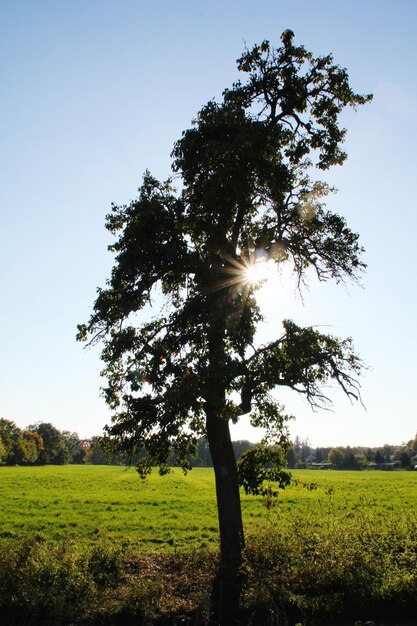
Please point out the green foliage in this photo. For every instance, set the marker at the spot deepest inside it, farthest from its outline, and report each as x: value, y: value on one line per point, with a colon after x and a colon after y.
x: 9, y: 436
x: 74, y: 451
x: 42, y: 581
x: 39, y: 444
x: 54, y: 449
x: 106, y: 562
x: 263, y: 464
x: 30, y: 447
x: 19, y: 447
x: 333, y: 566
x: 246, y: 191
x: 195, y: 366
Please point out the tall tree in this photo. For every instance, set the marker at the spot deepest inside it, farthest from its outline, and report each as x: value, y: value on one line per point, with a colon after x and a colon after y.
x: 9, y: 436
x: 246, y: 199
x: 73, y: 452
x: 30, y: 447
x: 54, y: 450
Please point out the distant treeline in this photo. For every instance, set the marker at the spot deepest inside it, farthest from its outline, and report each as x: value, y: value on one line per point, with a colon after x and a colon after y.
x: 40, y: 444
x: 302, y: 455
x: 43, y: 444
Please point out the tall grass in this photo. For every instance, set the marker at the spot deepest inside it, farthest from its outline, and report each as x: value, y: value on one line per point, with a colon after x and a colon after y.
x: 334, y: 565
x: 345, y: 564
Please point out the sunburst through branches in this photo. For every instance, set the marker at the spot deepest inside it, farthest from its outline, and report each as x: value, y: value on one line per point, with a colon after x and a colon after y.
x: 250, y: 272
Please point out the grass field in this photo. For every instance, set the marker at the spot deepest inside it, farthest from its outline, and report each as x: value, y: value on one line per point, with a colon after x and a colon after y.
x: 96, y: 545
x: 176, y: 511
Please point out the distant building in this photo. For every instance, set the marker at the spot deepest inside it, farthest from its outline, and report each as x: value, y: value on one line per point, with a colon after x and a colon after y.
x: 321, y: 465
x: 387, y: 466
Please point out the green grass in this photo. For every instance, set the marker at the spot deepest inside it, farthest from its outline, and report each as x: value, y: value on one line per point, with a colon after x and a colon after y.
x: 174, y: 511
x: 98, y: 545
x: 89, y: 502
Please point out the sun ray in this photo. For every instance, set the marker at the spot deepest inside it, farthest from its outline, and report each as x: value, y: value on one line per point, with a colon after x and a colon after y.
x: 253, y: 270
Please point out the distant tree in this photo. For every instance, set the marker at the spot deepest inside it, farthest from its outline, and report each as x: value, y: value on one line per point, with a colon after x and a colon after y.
x: 96, y: 455
x: 403, y: 457
x: 247, y: 199
x: 203, y: 455
x: 29, y: 447
x: 54, y: 449
x: 306, y: 451
x: 241, y: 446
x: 318, y: 455
x: 337, y: 457
x: 370, y: 455
x: 99, y: 454
x: 387, y: 451
x: 301, y: 453
x: 9, y: 436
x: 291, y: 457
x: 2, y: 451
x: 379, y: 457
x: 411, y: 447
x: 361, y: 461
x: 405, y: 460
x: 74, y: 450
x: 349, y: 461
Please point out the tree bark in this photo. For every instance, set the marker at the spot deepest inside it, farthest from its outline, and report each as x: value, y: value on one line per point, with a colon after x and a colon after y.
x: 226, y: 588
x: 227, y: 488
x: 227, y: 585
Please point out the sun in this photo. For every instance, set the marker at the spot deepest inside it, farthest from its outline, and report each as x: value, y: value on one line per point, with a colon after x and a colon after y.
x: 257, y: 271
x: 250, y: 272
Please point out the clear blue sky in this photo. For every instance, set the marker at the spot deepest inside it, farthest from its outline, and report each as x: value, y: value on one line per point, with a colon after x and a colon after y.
x: 93, y: 92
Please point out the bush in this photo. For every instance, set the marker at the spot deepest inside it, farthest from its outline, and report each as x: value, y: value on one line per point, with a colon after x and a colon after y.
x: 341, y: 565
x: 42, y: 582
x: 105, y: 563
x: 335, y: 567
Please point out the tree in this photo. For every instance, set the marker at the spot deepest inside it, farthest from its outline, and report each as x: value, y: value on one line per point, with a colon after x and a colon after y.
x: 247, y: 199
x: 29, y: 447
x: 387, y: 451
x: 411, y: 446
x: 54, y: 450
x: 9, y: 436
x: 379, y: 457
x: 336, y: 457
x: 2, y: 451
x: 96, y: 455
x: 73, y: 451
x: 403, y: 457
x: 19, y: 447
x: 405, y: 460
x: 370, y: 455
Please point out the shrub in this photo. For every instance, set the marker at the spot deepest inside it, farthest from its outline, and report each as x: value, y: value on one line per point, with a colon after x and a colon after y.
x: 340, y: 564
x: 40, y: 581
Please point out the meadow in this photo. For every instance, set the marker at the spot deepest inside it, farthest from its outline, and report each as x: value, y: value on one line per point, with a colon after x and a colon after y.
x: 97, y: 545
x: 176, y: 511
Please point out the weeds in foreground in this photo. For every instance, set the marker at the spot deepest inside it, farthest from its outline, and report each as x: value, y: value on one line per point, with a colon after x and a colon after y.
x: 337, y: 565
x: 342, y: 565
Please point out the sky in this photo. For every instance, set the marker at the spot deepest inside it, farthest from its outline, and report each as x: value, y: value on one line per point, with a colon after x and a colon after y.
x: 94, y: 92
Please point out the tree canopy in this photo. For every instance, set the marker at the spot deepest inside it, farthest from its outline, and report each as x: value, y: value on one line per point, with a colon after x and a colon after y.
x: 178, y: 316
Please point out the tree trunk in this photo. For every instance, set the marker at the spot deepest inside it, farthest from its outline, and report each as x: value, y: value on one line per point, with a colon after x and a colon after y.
x: 227, y: 488
x: 226, y: 588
